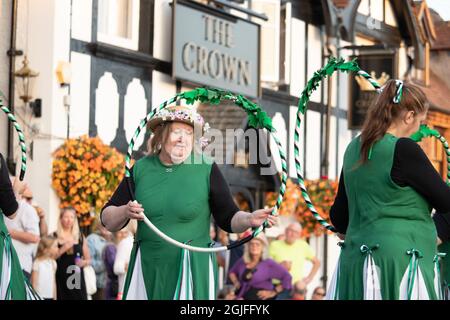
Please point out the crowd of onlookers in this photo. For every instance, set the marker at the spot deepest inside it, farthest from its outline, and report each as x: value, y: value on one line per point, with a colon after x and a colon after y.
x: 267, y: 269
x: 67, y: 265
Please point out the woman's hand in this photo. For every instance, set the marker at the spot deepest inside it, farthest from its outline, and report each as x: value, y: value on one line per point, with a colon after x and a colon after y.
x: 266, y: 294
x: 259, y: 216
x: 82, y: 263
x: 67, y: 245
x: 134, y: 210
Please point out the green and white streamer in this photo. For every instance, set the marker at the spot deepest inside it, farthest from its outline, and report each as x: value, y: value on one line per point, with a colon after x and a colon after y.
x: 23, y: 147
x: 413, y: 270
x: 257, y: 118
x: 437, y: 275
x: 332, y: 66
x: 398, y: 91
x: 425, y: 131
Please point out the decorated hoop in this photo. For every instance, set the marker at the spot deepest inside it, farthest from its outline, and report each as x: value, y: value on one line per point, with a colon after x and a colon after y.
x: 257, y: 118
x: 332, y: 66
x: 23, y: 147
x: 424, y: 132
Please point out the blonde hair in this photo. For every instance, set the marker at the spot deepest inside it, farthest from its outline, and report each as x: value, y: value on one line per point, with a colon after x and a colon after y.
x: 264, y: 255
x: 44, y: 245
x: 75, y: 228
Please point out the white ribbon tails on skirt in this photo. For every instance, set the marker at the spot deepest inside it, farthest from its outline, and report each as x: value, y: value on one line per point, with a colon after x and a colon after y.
x: 136, y: 289
x: 372, y: 290
x: 185, y: 284
x: 212, y: 282
x: 333, y: 288
x: 5, y: 271
x: 31, y: 293
x: 437, y: 283
x: 413, y: 285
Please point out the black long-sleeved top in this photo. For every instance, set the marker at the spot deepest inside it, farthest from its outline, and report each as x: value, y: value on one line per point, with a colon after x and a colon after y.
x: 8, y: 202
x: 411, y: 167
x: 221, y: 202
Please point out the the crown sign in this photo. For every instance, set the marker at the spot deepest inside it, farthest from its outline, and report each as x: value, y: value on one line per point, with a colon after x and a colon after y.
x: 365, y: 85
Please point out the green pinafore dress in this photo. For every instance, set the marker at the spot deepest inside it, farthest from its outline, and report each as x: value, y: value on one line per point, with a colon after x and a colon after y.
x: 13, y: 285
x: 176, y: 200
x: 390, y: 249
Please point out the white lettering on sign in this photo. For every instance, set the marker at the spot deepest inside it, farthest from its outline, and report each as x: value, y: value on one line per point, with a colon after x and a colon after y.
x: 213, y: 63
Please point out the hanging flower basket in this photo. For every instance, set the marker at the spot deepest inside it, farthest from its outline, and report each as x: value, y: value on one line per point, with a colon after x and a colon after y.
x: 85, y: 174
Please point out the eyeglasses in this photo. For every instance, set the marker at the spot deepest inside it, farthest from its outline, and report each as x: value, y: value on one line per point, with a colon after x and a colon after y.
x: 320, y: 293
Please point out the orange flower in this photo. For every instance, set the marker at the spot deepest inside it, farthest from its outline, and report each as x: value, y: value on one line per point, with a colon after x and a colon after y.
x: 85, y: 174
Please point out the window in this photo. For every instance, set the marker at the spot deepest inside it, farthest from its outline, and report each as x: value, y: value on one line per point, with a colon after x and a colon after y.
x: 285, y: 43
x: 270, y: 39
x: 118, y: 23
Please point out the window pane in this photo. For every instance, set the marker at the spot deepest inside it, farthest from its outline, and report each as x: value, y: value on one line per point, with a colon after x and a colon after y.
x: 114, y: 17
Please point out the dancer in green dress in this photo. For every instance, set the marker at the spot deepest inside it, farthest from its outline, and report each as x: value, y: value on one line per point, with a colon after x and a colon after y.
x: 12, y: 280
x: 383, y: 206
x: 178, y: 189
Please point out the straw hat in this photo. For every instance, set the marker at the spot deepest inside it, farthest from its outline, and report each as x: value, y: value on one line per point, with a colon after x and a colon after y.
x: 178, y: 114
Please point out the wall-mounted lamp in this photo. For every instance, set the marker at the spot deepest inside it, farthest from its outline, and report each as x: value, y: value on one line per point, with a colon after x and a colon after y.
x: 27, y: 78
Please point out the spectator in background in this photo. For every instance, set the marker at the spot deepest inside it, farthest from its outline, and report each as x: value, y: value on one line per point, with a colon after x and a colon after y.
x: 299, y: 291
x: 318, y: 293
x: 96, y: 243
x: 44, y: 268
x: 253, y: 274
x: 293, y: 252
x: 228, y: 258
x: 25, y: 235
x: 109, y: 256
x: 73, y: 256
x: 226, y: 293
x: 28, y: 197
x: 124, y: 247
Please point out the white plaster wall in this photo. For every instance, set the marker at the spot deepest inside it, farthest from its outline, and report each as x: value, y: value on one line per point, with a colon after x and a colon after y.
x: 5, y: 36
x: 332, y: 149
x: 135, y: 110
x: 163, y: 88
x: 79, y: 92
x: 297, y: 56
x: 292, y: 123
x: 162, y: 40
x: 314, y: 57
x: 279, y: 123
x: 313, y: 145
x: 82, y: 20
x: 364, y: 7
x: 107, y: 108
x: 390, y: 17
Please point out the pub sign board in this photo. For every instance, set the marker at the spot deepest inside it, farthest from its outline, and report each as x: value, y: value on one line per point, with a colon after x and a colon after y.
x: 216, y: 49
x: 381, y: 67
